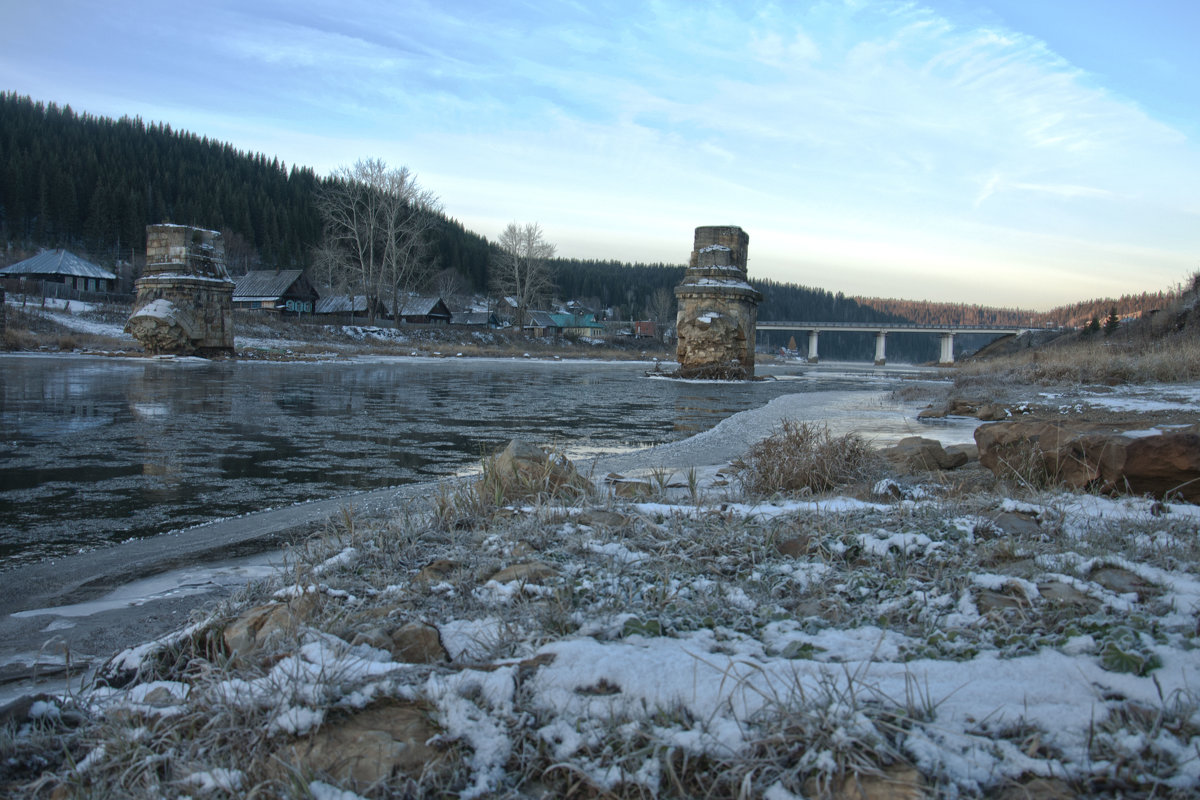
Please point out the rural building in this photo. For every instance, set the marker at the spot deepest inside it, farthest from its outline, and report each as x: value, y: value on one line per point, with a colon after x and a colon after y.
x: 475, y: 319
x: 63, y: 267
x: 344, y: 307
x: 549, y: 324
x: 285, y: 290
x: 424, y: 311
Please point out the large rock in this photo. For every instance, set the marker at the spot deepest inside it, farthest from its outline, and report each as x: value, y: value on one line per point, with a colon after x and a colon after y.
x: 523, y: 470
x: 1109, y: 458
x: 917, y: 454
x: 371, y: 746
x: 257, y: 628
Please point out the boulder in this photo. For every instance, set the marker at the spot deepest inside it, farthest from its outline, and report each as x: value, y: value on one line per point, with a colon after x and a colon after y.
x: 1104, y: 457
x: 917, y: 454
x: 523, y: 470
x: 257, y: 627
x: 895, y: 782
x: 969, y: 450
x: 992, y: 412
x: 532, y: 572
x: 417, y: 643
x: 370, y: 747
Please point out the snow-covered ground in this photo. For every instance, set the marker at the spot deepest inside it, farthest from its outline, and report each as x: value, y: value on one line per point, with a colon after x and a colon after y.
x: 778, y: 645
x: 705, y: 639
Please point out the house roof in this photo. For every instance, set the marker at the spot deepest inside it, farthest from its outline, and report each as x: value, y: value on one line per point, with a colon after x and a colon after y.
x: 472, y: 318
x: 575, y: 321
x: 422, y: 306
x: 540, y: 319
x: 265, y: 284
x: 58, y: 262
x: 342, y: 304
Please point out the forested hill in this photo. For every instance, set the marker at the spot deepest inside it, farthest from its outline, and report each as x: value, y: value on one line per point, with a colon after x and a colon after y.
x: 92, y: 184
x: 1073, y: 315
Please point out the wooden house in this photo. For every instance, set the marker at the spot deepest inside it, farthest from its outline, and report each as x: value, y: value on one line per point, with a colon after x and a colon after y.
x: 63, y: 267
x: 475, y: 319
x: 342, y: 307
x: 424, y: 311
x: 285, y: 290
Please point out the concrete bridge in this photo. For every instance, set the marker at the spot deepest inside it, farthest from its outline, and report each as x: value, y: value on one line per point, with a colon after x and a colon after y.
x: 881, y: 330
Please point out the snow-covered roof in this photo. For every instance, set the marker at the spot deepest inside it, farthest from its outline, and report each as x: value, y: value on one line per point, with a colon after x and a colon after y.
x: 720, y: 282
x: 421, y: 306
x: 58, y: 262
x: 265, y: 284
x: 341, y: 304
x: 471, y: 318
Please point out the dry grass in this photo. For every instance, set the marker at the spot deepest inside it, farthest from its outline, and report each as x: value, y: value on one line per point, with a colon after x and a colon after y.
x: 804, y: 458
x: 807, y: 739
x: 1111, y: 362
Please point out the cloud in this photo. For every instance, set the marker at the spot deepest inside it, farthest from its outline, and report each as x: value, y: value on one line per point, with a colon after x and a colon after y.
x: 845, y: 125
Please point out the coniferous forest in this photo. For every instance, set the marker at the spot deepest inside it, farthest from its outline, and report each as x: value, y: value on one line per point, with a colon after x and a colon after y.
x: 91, y: 184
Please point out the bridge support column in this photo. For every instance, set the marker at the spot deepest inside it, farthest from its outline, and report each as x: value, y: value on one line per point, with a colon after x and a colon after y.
x: 812, y: 346
x: 881, y: 348
x: 947, y: 356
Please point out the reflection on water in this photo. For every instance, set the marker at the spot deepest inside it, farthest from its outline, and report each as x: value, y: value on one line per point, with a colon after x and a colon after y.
x: 95, y: 450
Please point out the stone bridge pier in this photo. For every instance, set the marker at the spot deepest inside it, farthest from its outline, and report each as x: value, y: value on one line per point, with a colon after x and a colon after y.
x: 881, y: 348
x: 947, y: 354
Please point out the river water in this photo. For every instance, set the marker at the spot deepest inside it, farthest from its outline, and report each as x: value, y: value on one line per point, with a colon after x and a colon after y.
x: 97, y: 450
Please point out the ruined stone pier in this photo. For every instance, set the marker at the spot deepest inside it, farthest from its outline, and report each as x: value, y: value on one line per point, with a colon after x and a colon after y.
x: 718, y: 309
x: 185, y: 296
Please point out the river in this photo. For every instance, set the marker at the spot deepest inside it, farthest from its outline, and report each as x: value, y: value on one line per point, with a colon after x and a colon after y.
x: 98, y: 450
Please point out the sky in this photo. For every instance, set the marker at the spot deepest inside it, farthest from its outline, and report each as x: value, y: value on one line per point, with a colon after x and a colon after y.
x: 996, y: 152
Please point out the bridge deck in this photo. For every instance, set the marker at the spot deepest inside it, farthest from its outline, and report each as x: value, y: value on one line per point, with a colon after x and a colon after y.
x: 890, y: 327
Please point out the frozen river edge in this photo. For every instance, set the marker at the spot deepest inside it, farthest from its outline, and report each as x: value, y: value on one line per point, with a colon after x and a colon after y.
x: 93, y: 604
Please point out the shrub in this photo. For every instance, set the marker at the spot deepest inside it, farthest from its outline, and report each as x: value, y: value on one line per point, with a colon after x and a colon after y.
x: 803, y: 457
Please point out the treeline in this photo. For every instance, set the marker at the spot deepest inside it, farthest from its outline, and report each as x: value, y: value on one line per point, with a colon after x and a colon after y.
x: 613, y: 284
x: 93, y: 184
x: 1075, y: 315
x: 787, y: 302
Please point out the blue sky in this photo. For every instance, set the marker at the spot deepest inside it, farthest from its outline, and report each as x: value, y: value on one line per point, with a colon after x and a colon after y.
x: 995, y: 152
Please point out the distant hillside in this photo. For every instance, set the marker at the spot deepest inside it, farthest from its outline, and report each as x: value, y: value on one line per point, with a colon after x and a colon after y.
x: 1073, y: 315
x: 92, y: 184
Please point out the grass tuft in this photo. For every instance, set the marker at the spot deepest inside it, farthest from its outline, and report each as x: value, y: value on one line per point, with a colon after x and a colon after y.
x: 805, y: 458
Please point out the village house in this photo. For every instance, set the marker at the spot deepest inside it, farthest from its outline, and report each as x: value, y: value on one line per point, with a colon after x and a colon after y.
x: 475, y: 319
x: 549, y: 324
x: 344, y: 308
x: 424, y: 311
x: 285, y: 290
x: 64, y: 268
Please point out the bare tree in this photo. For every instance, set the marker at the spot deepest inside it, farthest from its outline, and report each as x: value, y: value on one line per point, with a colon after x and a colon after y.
x: 449, y: 284
x: 522, y: 272
x: 661, y: 306
x: 377, y: 225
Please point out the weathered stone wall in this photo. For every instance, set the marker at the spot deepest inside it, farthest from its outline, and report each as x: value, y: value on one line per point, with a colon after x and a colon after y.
x: 185, y: 296
x: 718, y: 308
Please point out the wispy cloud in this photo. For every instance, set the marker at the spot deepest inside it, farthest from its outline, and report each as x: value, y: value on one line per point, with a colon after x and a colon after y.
x: 842, y: 127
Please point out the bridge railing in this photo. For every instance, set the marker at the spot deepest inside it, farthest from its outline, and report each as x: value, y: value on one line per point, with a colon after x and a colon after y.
x: 889, y: 326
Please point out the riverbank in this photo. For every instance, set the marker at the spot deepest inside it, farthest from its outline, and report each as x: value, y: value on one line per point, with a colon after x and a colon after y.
x: 924, y: 635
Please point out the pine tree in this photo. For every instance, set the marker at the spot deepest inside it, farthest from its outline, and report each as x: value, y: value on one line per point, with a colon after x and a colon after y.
x: 1112, y: 322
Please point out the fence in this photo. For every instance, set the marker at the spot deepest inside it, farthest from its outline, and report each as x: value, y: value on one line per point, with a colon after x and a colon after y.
x: 33, y: 291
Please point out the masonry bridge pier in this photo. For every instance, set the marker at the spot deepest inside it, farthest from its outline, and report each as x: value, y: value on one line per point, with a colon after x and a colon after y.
x: 881, y: 331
